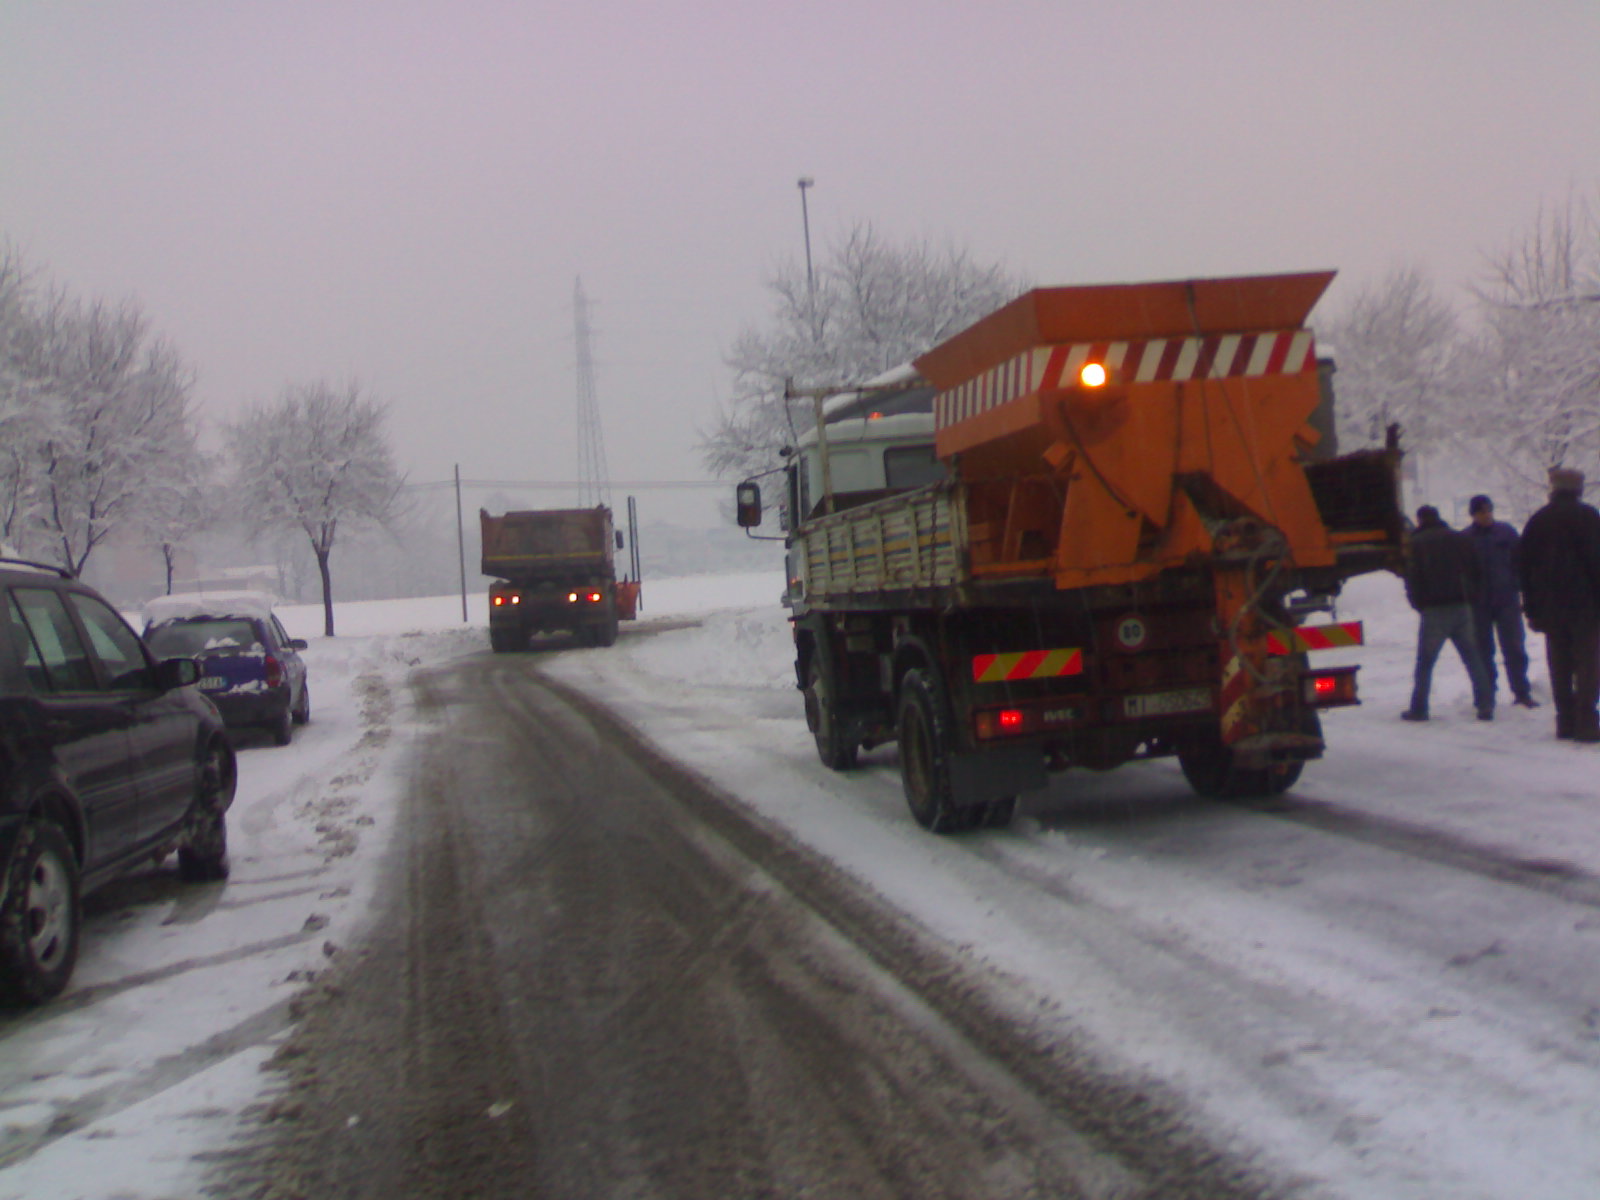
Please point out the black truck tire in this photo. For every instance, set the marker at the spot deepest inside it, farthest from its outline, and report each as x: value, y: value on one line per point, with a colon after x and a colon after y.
x: 502, y: 641
x: 41, y: 915
x: 925, y: 730
x: 822, y: 717
x: 1209, y: 767
x: 605, y: 633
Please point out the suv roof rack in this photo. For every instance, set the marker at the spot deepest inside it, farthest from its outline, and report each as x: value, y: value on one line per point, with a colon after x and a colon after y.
x: 37, y: 566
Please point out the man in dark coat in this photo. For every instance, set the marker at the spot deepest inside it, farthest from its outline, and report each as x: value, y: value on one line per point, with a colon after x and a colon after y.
x: 1499, y: 607
x: 1561, y: 596
x: 1442, y: 583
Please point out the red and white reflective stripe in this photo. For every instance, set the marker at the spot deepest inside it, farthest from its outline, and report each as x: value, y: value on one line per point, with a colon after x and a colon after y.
x: 1026, y: 664
x: 1157, y: 360
x: 1233, y: 700
x: 1315, y: 637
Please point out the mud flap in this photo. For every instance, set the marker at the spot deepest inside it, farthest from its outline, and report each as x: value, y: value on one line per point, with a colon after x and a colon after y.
x: 980, y: 778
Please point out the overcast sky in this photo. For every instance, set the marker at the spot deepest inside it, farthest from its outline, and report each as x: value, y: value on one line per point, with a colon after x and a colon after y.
x: 404, y: 192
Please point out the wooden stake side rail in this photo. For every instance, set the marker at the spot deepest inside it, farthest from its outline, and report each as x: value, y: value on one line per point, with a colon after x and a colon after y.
x: 915, y: 541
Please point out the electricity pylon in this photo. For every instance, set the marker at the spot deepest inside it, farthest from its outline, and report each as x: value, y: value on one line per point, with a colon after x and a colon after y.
x: 594, y: 478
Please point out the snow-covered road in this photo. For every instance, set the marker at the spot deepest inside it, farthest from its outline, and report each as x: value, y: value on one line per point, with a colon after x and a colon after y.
x: 1388, y: 983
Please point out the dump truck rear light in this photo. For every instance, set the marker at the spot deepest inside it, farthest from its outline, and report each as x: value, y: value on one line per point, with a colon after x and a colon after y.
x: 1328, y: 689
x: 991, y: 723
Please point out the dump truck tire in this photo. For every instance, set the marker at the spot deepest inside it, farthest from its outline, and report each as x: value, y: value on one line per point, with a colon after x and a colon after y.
x: 823, y: 719
x: 924, y: 729
x: 1209, y: 767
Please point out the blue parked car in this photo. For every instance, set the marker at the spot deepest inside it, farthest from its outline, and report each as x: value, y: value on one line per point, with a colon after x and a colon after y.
x: 249, y: 665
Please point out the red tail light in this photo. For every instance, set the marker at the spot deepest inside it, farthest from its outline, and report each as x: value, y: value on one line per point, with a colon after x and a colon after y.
x: 1329, y: 689
x: 274, y: 672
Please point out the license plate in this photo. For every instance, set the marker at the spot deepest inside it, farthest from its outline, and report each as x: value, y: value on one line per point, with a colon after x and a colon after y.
x: 1160, y: 704
x: 213, y: 683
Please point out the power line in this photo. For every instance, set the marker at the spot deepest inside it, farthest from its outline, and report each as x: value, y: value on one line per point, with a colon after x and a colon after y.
x: 631, y: 485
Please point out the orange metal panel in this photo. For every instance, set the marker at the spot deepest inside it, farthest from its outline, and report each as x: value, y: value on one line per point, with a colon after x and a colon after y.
x: 1106, y: 312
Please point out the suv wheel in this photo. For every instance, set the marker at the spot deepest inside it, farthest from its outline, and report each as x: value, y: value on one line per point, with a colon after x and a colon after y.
x: 39, y: 918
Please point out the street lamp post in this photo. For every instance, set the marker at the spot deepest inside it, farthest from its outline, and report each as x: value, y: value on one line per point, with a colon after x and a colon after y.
x: 805, y: 223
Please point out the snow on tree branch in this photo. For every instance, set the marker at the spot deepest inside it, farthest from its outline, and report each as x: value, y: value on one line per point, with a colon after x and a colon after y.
x: 313, y: 461
x: 877, y: 305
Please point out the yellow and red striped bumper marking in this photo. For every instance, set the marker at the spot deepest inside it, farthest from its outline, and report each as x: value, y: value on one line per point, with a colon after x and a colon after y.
x: 1315, y: 637
x: 1026, y: 664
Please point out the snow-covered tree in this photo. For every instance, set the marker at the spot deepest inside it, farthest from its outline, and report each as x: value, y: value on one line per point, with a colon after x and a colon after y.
x: 317, y: 459
x: 876, y: 304
x: 105, y: 407
x: 1394, y: 343
x: 181, y: 505
x: 1535, y: 368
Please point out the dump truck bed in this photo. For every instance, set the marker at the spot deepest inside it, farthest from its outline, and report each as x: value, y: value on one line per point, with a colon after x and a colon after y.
x: 526, y: 543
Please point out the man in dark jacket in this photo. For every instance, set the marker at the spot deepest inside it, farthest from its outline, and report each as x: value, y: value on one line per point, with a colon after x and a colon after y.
x: 1442, y: 583
x: 1561, y: 595
x: 1499, y: 607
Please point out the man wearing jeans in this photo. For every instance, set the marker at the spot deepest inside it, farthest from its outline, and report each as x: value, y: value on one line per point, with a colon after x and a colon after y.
x: 1498, y: 611
x: 1442, y: 582
x: 1561, y: 595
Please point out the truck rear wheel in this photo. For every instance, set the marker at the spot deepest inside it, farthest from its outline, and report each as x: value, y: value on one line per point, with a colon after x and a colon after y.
x: 1209, y: 767
x: 924, y: 729
x: 502, y: 640
x: 823, y: 720
x: 605, y: 633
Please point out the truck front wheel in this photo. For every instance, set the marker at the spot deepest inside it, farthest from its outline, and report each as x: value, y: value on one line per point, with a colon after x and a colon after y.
x: 823, y: 718
x: 924, y: 729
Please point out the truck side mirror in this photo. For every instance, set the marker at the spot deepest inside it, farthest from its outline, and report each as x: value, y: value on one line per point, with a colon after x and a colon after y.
x: 747, y: 500
x: 618, y: 534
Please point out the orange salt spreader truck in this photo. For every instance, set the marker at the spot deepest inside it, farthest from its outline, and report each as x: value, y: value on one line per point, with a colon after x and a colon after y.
x: 1088, y: 529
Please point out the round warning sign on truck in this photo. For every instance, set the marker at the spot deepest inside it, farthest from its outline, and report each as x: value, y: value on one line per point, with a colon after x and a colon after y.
x: 1131, y: 633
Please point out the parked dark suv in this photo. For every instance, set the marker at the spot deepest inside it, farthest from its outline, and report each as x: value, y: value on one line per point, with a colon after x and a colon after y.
x: 108, y: 761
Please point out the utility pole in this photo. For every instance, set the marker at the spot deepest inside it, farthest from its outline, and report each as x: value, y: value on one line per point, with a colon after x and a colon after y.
x: 594, y: 477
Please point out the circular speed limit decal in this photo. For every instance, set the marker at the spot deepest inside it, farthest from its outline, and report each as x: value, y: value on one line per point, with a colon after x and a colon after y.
x: 1131, y: 633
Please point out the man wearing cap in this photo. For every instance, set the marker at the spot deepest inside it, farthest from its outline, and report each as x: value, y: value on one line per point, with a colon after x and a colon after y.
x: 1561, y: 596
x: 1442, y: 583
x: 1499, y: 607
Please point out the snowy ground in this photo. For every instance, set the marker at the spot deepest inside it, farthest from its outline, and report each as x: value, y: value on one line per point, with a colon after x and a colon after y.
x: 1418, y: 1078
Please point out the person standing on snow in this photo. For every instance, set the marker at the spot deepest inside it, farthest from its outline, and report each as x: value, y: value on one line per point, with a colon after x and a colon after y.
x: 1561, y: 596
x: 1442, y: 584
x: 1499, y: 607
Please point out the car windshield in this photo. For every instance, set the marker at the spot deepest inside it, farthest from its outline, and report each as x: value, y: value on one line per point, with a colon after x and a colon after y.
x: 201, y: 635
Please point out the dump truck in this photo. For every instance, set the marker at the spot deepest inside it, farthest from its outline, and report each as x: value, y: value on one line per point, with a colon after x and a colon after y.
x: 555, y: 572
x: 1099, y: 525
